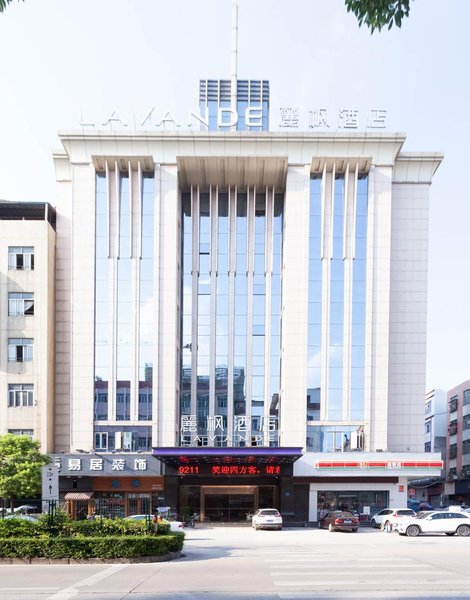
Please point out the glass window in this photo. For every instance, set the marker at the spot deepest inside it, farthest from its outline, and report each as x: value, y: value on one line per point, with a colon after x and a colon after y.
x: 20, y: 303
x: 21, y: 258
x: 20, y: 349
x: 102, y: 308
x: 21, y: 394
x: 28, y: 432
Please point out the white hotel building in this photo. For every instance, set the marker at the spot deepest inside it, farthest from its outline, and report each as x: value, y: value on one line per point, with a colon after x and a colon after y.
x: 249, y: 308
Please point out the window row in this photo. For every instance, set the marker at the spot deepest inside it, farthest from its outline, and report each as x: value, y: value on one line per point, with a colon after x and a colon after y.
x: 21, y: 258
x: 21, y: 394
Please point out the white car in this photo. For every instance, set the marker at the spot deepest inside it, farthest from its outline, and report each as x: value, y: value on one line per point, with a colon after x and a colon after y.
x: 441, y: 521
x: 22, y: 518
x: 174, y: 525
x: 390, y: 516
x: 266, y: 518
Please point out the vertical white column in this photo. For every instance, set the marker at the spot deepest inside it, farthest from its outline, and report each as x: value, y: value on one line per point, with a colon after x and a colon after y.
x: 83, y: 306
x: 378, y: 305
x: 168, y: 343
x: 293, y: 405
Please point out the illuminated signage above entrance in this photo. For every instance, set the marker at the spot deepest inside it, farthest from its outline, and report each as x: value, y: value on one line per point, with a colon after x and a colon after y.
x: 230, y: 470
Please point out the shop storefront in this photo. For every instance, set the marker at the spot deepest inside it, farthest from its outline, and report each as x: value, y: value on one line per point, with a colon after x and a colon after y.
x: 363, y: 483
x: 228, y: 484
x: 111, y: 485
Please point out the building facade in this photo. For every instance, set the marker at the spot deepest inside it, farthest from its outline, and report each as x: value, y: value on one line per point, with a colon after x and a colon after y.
x: 429, y: 491
x: 458, y: 444
x: 27, y: 320
x: 435, y: 424
x: 249, y: 308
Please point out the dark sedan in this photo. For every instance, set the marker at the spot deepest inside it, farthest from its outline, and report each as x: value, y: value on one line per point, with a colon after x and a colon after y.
x: 339, y: 520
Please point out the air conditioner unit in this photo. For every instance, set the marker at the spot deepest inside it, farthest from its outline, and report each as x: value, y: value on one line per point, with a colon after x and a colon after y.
x: 357, y: 440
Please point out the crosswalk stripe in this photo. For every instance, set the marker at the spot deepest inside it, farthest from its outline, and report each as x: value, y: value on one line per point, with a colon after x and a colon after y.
x: 358, y: 581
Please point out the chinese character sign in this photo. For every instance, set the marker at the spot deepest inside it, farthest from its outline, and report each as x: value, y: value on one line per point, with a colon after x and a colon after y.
x: 345, y: 118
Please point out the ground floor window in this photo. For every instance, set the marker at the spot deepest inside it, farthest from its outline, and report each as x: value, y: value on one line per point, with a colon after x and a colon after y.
x: 365, y: 503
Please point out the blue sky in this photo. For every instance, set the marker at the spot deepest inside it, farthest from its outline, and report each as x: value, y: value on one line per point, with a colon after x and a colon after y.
x: 59, y: 57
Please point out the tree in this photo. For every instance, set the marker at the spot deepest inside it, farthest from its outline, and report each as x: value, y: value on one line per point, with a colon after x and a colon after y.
x: 3, y: 4
x: 379, y: 13
x: 374, y: 13
x: 20, y: 467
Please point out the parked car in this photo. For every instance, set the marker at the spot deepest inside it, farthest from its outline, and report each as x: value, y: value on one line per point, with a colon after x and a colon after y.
x: 266, y: 518
x: 174, y: 525
x: 26, y: 509
x: 22, y: 517
x: 457, y: 508
x: 436, y: 521
x: 390, y: 516
x: 339, y: 520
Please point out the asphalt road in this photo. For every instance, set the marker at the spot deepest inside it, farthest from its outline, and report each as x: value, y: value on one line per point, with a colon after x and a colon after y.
x: 238, y: 563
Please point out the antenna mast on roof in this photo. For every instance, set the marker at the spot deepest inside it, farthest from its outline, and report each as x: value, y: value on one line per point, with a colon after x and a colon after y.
x: 233, y: 86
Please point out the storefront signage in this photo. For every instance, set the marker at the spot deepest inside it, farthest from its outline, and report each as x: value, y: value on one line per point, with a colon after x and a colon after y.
x: 228, y: 470
x: 109, y: 464
x: 393, y: 465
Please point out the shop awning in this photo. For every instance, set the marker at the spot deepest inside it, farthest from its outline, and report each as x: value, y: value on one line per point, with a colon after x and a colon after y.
x: 214, y: 456
x: 78, y: 495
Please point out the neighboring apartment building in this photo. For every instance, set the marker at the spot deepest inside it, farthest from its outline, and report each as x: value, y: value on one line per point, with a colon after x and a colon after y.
x: 27, y: 320
x: 247, y: 308
x: 435, y: 422
x: 458, y: 444
x: 430, y: 490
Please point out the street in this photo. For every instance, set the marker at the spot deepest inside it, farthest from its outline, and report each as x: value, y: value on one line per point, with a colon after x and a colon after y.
x: 223, y: 563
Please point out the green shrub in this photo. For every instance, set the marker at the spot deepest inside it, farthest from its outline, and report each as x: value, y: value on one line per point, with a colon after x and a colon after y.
x: 126, y: 546
x: 163, y: 528
x: 88, y: 528
x: 12, y: 528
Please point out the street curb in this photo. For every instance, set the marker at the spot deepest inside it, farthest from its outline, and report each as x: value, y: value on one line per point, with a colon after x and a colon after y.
x: 89, y: 561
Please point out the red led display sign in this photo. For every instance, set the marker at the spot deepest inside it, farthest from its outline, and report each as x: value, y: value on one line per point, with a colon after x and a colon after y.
x: 227, y: 470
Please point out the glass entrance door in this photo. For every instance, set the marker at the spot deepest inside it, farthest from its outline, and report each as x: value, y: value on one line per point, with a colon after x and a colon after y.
x: 228, y: 503
x: 228, y: 508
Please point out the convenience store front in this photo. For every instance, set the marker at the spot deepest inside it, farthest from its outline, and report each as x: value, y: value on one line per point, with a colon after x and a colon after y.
x: 226, y: 485
x: 363, y: 483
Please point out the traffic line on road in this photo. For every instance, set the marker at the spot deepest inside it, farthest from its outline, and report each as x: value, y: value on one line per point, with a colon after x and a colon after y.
x: 70, y: 592
x: 311, y: 561
x: 29, y: 589
x: 358, y: 581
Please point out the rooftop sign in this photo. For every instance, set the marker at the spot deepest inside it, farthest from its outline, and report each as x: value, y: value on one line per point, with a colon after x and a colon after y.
x: 290, y: 118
